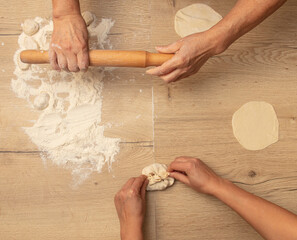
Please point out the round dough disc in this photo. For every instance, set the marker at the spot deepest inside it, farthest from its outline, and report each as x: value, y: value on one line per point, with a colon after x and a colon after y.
x: 255, y: 125
x: 195, y: 18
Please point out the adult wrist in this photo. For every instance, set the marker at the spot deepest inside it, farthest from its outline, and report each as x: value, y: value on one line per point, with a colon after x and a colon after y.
x: 60, y: 15
x: 222, y: 37
x: 63, y: 8
x: 128, y: 233
x: 222, y: 189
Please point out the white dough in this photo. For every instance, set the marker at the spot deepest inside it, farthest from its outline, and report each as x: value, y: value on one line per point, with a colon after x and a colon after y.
x: 158, y: 177
x: 41, y: 101
x: 255, y: 125
x: 88, y: 17
x: 195, y: 18
x: 30, y: 27
x: 22, y: 66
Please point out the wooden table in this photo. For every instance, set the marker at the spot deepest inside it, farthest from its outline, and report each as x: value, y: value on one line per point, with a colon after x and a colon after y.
x: 156, y: 123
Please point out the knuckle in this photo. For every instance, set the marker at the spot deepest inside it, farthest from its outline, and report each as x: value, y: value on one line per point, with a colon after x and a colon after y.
x: 132, y: 193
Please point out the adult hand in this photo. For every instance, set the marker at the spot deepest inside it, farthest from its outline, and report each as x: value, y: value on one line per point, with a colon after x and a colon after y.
x: 191, y: 53
x: 130, y: 206
x: 196, y: 174
x: 69, y: 44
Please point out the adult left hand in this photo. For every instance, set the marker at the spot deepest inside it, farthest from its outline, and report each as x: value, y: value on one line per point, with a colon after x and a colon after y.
x: 130, y: 206
x: 191, y: 53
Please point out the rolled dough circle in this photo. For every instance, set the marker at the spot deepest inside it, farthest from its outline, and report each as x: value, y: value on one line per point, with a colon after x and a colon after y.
x: 195, y: 18
x: 255, y: 125
x: 30, y: 27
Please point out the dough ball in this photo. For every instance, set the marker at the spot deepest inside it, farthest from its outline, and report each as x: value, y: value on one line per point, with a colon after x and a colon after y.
x: 41, y: 101
x: 158, y: 177
x: 30, y: 27
x: 195, y: 18
x: 22, y: 66
x: 88, y: 17
x: 255, y: 125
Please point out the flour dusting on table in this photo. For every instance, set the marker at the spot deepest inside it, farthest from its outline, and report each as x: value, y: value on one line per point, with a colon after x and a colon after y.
x: 68, y: 131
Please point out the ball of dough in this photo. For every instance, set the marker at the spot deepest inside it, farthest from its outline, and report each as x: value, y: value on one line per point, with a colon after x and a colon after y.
x: 22, y: 66
x: 255, y: 125
x: 88, y: 17
x: 41, y: 101
x: 158, y: 177
x: 195, y: 18
x: 30, y: 27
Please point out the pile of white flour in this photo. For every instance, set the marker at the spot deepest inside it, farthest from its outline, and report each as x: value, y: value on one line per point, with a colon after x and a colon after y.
x: 68, y: 131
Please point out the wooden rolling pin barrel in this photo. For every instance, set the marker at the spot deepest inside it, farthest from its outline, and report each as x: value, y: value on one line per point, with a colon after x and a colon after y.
x: 110, y: 58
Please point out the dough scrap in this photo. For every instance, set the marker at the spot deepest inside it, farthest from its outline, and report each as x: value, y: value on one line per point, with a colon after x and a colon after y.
x: 41, y: 101
x: 22, y: 66
x: 158, y: 177
x: 195, y: 18
x: 255, y: 125
x: 88, y: 17
x: 30, y: 27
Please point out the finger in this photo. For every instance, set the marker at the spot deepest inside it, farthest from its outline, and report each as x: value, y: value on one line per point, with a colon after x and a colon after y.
x: 171, y: 77
x: 171, y: 48
x: 62, y: 62
x: 183, y: 159
x: 180, y: 177
x: 138, y: 182
x: 83, y: 60
x: 179, y: 166
x: 143, y: 188
x: 128, y: 184
x: 72, y: 62
x: 53, y: 59
x: 165, y: 68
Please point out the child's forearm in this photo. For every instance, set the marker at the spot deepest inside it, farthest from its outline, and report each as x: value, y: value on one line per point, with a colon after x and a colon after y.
x: 268, y: 219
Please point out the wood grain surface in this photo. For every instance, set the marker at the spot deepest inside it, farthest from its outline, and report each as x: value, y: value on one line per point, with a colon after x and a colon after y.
x: 156, y: 123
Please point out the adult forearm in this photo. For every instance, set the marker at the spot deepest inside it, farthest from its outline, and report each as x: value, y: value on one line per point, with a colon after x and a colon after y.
x: 268, y: 219
x: 243, y: 17
x: 65, y: 7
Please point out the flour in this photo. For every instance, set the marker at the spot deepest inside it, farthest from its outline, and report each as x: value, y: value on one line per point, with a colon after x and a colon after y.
x: 68, y: 131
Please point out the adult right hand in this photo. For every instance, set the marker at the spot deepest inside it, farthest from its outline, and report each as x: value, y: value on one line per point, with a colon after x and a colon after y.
x: 196, y: 174
x: 69, y: 45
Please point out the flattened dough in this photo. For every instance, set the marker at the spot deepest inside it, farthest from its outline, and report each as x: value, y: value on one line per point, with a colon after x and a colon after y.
x: 255, y: 125
x: 195, y: 18
x: 158, y: 177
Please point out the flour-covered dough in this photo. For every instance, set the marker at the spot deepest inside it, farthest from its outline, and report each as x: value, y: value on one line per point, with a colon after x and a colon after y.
x: 41, y: 101
x: 22, y: 66
x: 195, y: 18
x: 88, y: 17
x: 30, y: 27
x: 255, y: 125
x: 158, y: 177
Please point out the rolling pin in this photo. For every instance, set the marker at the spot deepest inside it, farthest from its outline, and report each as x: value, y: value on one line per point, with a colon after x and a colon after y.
x: 110, y: 58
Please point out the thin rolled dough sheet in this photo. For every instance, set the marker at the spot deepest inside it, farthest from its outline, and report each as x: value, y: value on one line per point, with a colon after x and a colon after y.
x: 195, y: 18
x: 255, y: 125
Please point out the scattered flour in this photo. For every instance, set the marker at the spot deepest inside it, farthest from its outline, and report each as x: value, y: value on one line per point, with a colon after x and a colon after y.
x: 68, y: 131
